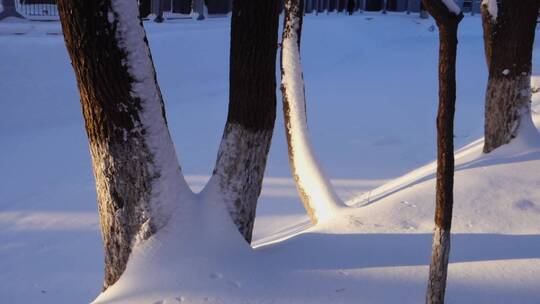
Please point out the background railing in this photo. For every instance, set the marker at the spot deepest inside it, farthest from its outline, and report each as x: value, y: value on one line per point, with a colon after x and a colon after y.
x: 37, y: 8
x: 46, y: 9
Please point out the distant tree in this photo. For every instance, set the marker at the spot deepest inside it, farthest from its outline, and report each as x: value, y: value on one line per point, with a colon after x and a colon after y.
x: 9, y: 9
x: 248, y: 132
x: 423, y: 13
x: 145, y: 8
x: 159, y: 10
x: 447, y: 19
x: 509, y: 30
x: 315, y: 190
x: 198, y: 8
x: 351, y: 5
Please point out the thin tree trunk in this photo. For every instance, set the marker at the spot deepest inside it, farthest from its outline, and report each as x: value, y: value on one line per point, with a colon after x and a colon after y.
x: 447, y: 22
x: 508, y: 41
x: 138, y: 179
x: 315, y: 190
x: 242, y: 155
x: 198, y: 8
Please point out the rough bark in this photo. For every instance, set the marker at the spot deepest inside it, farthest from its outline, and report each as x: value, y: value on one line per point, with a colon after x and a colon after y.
x: 248, y: 131
x: 447, y: 23
x: 508, y: 41
x: 133, y: 157
x: 315, y: 190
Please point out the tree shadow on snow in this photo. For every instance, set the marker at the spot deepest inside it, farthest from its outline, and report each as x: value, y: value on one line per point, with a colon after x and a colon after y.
x: 312, y: 251
x: 483, y: 161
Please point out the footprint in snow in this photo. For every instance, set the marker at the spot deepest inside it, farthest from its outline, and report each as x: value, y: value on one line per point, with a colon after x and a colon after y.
x: 408, y: 225
x: 411, y: 205
x: 526, y: 205
x: 216, y: 275
x: 234, y: 283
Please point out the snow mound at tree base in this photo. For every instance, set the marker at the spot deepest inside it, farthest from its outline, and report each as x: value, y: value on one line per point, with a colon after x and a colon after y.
x: 376, y: 253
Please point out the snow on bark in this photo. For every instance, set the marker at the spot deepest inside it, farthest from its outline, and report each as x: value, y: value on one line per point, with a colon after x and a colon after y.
x: 508, y: 109
x: 508, y: 43
x: 239, y: 172
x: 138, y: 179
x: 247, y: 135
x: 319, y: 198
x: 169, y: 185
x: 452, y: 6
x: 491, y: 6
x: 439, y: 266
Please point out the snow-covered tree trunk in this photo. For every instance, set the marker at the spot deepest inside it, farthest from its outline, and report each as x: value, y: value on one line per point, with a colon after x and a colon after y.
x: 315, y: 190
x: 242, y: 155
x: 138, y: 179
x: 447, y: 16
x: 509, y: 30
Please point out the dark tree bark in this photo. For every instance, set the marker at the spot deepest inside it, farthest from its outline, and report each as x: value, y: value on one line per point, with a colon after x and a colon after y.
x: 133, y: 157
x: 351, y: 5
x: 248, y: 131
x: 508, y: 42
x: 447, y: 22
x: 145, y: 8
x: 159, y: 11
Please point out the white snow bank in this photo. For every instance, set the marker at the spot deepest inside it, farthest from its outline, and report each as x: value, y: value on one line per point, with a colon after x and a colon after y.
x: 364, y: 252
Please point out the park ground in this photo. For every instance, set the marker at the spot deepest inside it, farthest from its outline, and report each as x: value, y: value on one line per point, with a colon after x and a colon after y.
x: 371, y: 86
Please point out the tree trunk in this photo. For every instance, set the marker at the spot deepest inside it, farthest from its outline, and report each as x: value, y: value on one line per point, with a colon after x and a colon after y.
x: 159, y: 11
x: 198, y: 8
x: 315, y: 190
x: 508, y: 41
x: 447, y: 22
x: 242, y: 155
x: 10, y: 10
x: 138, y: 178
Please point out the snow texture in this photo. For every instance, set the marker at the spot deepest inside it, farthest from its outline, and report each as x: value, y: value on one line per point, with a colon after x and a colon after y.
x: 492, y: 8
x: 372, y: 125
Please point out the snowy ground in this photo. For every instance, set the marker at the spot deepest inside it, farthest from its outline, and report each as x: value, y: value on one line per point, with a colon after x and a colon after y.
x: 372, y: 94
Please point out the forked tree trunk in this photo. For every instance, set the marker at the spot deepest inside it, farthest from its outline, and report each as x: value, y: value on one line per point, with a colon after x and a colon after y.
x: 447, y: 22
x: 10, y: 10
x: 315, y: 190
x: 138, y: 178
x: 509, y: 29
x: 242, y: 155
